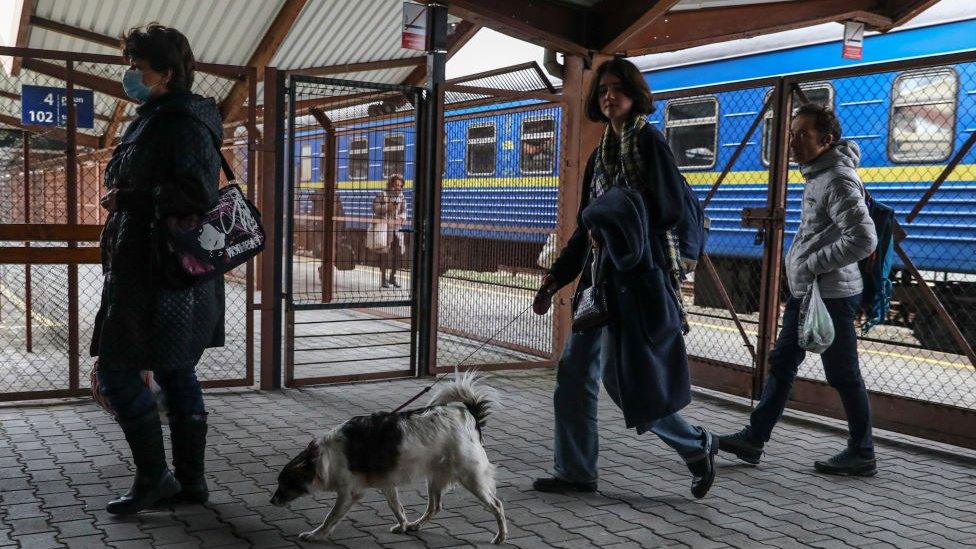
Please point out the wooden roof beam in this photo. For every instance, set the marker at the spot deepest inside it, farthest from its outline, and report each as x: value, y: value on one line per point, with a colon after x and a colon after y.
x: 685, y: 29
x: 562, y: 27
x: 23, y: 34
x: 262, y: 55
x: 902, y: 11
x: 105, y: 40
x: 83, y: 79
x: 345, y: 68
x: 112, y: 129
x: 83, y: 139
x: 464, y: 31
x: 624, y: 20
x: 76, y: 32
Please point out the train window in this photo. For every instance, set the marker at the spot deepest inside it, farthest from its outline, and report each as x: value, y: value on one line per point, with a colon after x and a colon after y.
x: 538, y: 143
x: 923, y: 115
x: 691, y: 128
x: 481, y: 149
x: 359, y: 158
x: 816, y: 92
x: 305, y: 168
x: 394, y: 151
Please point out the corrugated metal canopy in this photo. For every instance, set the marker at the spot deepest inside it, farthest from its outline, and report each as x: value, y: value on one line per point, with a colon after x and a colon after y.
x: 301, y: 34
x: 322, y: 33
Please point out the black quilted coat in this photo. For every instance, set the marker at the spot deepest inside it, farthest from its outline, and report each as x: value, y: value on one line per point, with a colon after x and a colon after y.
x: 152, y: 317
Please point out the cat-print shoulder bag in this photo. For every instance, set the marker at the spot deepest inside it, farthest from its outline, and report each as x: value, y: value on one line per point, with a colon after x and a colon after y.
x: 226, y: 236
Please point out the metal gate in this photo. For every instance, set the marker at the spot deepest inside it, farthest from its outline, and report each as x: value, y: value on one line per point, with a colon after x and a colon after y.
x: 350, y: 243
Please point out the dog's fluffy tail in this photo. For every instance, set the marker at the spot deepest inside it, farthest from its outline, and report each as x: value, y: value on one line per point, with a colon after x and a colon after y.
x: 467, y: 390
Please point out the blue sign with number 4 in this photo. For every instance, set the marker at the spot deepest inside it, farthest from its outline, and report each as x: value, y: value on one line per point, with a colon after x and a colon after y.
x: 47, y: 106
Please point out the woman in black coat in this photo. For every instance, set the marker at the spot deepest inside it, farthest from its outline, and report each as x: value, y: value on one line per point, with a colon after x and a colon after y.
x: 153, y: 316
x: 640, y: 353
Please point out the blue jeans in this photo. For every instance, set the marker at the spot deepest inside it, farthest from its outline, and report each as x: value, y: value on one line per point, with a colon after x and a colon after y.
x: 126, y: 393
x: 577, y: 442
x: 840, y: 366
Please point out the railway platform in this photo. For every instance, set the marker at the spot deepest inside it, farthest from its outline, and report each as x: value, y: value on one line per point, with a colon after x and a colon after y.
x: 59, y: 464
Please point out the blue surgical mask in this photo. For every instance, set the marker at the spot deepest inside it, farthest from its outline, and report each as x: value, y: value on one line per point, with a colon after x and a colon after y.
x: 133, y: 86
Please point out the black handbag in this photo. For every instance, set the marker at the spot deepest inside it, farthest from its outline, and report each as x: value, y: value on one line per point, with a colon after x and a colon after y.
x: 592, y: 311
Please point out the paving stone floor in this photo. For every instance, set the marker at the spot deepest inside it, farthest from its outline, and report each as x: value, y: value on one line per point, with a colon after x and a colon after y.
x: 60, y: 463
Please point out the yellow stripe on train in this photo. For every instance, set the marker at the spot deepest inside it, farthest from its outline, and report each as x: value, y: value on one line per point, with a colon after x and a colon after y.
x: 886, y: 174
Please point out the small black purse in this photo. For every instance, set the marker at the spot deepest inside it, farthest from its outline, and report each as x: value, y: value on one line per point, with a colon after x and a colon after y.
x: 592, y: 311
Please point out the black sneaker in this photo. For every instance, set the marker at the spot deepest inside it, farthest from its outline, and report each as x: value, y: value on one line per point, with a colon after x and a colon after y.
x: 556, y: 484
x: 743, y: 444
x: 703, y: 470
x: 848, y: 463
x: 394, y: 284
x: 385, y: 284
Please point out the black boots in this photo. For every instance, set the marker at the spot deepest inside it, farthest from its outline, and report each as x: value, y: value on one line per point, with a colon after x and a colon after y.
x: 153, y: 481
x: 703, y: 470
x: 558, y: 485
x: 189, y: 437
x: 744, y: 445
x: 848, y: 463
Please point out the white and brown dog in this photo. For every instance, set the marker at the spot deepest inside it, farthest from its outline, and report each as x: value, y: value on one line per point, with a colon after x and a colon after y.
x: 441, y: 443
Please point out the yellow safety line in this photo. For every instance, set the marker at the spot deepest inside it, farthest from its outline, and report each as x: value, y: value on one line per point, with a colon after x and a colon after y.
x: 23, y: 305
x: 867, y: 351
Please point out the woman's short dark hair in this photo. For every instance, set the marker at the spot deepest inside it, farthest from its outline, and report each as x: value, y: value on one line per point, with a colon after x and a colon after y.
x: 633, y: 84
x: 824, y: 119
x: 163, y: 48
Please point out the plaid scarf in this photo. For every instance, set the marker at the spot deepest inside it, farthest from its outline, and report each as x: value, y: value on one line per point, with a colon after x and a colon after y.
x: 619, y: 162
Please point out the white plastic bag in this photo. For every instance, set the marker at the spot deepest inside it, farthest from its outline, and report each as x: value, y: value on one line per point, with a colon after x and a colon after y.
x: 377, y: 239
x: 816, y: 327
x: 548, y: 254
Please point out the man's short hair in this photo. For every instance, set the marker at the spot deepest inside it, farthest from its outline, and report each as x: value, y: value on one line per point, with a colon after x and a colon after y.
x: 824, y: 119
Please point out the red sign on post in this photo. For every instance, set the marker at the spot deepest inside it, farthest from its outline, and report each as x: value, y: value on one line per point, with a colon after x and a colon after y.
x: 853, y: 40
x: 414, y: 35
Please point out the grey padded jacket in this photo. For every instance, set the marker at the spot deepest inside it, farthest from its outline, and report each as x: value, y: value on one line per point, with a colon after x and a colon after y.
x: 835, y: 230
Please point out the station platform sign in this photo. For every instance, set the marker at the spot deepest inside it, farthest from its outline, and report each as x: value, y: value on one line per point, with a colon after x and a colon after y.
x: 48, y: 106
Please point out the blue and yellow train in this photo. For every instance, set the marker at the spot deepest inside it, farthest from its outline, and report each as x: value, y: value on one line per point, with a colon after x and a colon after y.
x: 501, y: 165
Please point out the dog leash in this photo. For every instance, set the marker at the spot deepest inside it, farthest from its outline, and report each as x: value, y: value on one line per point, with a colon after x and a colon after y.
x: 458, y: 364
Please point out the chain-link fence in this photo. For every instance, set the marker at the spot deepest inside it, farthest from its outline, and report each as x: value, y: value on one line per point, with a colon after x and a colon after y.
x: 498, y: 212
x: 718, y: 141
x: 350, y: 260
x: 909, y: 126
x: 913, y: 124
x: 47, y: 311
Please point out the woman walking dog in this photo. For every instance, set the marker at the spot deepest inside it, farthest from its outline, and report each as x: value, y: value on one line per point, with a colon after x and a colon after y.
x: 632, y: 196
x: 152, y: 315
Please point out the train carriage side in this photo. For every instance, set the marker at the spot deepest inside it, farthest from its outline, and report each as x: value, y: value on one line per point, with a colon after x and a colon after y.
x: 499, y: 189
x: 907, y: 125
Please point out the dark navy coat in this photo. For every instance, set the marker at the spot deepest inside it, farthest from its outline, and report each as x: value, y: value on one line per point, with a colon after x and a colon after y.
x: 645, y: 364
x: 152, y: 316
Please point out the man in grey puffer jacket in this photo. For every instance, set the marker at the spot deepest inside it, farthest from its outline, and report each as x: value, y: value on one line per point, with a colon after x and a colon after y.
x: 836, y: 231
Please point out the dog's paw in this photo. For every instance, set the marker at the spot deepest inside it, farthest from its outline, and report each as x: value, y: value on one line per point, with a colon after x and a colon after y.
x: 413, y: 526
x: 310, y: 536
x: 499, y: 539
x: 399, y: 528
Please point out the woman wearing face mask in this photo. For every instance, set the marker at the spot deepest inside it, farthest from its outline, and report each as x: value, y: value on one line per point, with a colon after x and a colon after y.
x: 153, y: 316
x: 640, y: 353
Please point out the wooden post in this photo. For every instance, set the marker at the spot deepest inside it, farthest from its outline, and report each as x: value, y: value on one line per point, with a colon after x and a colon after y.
x: 71, y: 171
x: 28, y: 298
x: 579, y: 137
x: 252, y: 151
x: 327, y: 167
x: 271, y: 207
x: 773, y: 250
